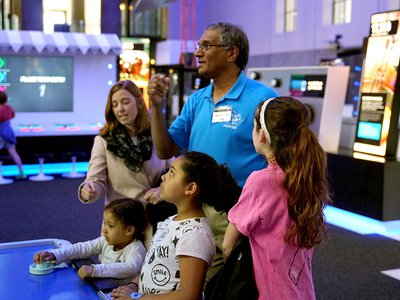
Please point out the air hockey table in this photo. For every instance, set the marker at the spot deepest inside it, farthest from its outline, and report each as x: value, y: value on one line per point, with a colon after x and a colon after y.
x: 16, y: 282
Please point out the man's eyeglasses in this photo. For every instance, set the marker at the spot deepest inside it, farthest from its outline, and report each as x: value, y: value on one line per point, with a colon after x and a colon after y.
x: 206, y: 47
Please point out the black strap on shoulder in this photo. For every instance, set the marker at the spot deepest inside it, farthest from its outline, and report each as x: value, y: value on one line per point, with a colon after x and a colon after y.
x: 236, y: 278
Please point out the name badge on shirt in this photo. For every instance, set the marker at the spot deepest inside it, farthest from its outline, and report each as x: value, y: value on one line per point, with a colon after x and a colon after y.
x: 222, y: 114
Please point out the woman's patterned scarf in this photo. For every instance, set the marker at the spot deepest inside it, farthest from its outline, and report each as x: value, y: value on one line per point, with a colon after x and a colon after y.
x: 120, y: 143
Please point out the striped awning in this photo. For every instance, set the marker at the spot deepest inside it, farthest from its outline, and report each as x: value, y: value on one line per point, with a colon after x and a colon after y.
x: 62, y: 42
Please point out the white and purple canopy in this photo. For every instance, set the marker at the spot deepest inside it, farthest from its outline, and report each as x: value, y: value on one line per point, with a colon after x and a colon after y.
x: 19, y: 41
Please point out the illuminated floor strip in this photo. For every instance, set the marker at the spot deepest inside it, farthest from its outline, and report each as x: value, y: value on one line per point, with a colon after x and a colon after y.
x: 54, y: 168
x: 364, y: 225
x: 361, y: 224
x: 395, y: 273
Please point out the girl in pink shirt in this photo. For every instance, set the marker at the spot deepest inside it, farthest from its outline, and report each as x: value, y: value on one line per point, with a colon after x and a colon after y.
x: 7, y: 136
x: 281, y: 207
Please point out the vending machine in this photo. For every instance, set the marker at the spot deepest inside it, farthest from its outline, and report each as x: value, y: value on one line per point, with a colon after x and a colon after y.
x: 321, y: 88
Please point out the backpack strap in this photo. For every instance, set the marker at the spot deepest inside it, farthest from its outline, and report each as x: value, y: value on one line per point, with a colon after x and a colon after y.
x: 236, y: 278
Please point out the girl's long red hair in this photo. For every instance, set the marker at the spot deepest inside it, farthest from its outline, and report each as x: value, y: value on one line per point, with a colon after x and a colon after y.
x: 301, y: 157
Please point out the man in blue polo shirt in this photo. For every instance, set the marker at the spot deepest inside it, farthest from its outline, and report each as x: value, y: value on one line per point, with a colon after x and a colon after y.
x: 218, y: 119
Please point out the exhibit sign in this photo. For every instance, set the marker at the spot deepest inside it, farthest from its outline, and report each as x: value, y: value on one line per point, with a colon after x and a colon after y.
x: 377, y: 124
x: 134, y: 63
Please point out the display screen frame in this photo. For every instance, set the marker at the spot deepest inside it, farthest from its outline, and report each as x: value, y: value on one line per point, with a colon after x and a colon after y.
x: 307, y: 85
x: 37, y: 83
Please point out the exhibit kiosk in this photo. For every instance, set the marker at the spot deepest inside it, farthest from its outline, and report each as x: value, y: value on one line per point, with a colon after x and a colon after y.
x: 322, y: 89
x: 376, y: 191
x: 360, y: 181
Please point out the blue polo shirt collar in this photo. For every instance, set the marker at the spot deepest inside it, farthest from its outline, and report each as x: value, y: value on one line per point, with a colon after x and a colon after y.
x: 234, y: 92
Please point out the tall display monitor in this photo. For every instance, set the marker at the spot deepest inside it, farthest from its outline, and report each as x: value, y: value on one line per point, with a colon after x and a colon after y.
x: 377, y: 124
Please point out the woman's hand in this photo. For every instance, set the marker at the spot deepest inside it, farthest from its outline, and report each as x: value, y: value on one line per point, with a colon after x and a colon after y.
x: 89, y: 191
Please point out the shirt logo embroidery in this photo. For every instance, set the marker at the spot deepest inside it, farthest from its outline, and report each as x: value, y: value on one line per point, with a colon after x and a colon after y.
x: 235, y: 121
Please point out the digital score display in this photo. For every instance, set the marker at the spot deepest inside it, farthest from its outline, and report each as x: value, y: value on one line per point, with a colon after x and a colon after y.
x: 302, y: 85
x: 37, y: 83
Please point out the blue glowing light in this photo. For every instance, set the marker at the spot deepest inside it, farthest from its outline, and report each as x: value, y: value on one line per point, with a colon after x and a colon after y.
x: 369, y: 130
x: 54, y: 168
x: 110, y: 66
x: 360, y: 224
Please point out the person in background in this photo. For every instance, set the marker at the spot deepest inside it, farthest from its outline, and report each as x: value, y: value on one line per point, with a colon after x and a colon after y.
x: 121, y: 247
x: 281, y: 207
x: 183, y: 248
x: 217, y: 119
x: 7, y: 136
x: 123, y: 161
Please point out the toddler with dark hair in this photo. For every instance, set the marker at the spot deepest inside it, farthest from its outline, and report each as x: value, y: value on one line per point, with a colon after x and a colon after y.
x: 121, y: 247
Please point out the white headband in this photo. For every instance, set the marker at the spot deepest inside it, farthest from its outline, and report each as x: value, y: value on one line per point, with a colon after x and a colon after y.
x: 262, y: 119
